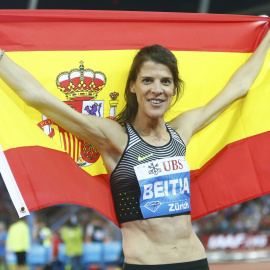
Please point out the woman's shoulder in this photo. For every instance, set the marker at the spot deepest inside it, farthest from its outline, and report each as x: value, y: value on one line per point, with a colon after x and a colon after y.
x: 177, y: 126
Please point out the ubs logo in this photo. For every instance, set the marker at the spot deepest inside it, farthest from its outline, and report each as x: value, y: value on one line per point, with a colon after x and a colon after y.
x: 172, y: 165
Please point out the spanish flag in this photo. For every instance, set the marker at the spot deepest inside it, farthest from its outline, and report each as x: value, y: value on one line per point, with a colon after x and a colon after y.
x: 83, y: 58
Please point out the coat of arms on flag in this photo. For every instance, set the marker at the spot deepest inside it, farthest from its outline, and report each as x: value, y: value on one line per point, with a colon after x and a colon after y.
x: 81, y: 87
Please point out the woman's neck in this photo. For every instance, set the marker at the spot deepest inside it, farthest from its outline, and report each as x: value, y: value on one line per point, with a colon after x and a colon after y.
x: 153, y: 128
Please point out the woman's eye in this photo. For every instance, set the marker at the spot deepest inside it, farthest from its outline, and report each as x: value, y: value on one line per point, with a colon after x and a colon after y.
x: 146, y: 80
x: 166, y: 82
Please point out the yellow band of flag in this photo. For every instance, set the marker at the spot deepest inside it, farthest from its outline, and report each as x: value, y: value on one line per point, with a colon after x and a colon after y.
x: 203, y: 77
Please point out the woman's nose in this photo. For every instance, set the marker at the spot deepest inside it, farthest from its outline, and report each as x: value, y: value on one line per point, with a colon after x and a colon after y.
x: 157, y: 88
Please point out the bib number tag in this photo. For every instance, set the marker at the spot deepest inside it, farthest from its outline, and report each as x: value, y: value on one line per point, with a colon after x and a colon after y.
x: 165, y: 187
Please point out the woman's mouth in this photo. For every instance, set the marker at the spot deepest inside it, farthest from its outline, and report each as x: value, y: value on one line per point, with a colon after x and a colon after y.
x: 155, y: 101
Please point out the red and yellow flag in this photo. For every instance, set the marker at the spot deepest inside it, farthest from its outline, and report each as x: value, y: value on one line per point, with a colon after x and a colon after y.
x: 83, y: 58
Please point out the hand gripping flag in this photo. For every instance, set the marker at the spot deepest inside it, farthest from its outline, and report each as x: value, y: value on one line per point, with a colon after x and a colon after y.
x: 83, y: 58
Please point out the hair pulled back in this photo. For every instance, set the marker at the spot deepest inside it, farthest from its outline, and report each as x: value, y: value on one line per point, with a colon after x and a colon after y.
x: 159, y: 55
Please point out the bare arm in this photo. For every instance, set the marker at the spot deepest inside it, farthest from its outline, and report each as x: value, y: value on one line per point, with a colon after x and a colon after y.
x: 190, y: 122
x: 103, y: 133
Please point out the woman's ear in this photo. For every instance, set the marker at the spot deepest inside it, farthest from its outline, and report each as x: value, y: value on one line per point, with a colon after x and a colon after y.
x: 132, y: 87
x: 174, y: 91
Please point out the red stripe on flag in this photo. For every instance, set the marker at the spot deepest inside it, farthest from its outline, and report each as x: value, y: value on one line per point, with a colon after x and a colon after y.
x: 78, y: 150
x: 62, y: 134
x: 74, y: 148
x: 44, y: 181
x: 238, y: 173
x: 42, y: 30
x: 70, y: 149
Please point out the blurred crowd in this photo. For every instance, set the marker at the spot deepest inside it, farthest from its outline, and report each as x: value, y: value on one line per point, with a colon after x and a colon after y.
x: 76, y: 231
x: 250, y: 217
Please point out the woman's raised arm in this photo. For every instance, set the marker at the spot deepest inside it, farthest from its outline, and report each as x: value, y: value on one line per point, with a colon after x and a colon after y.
x: 101, y: 132
x: 192, y: 121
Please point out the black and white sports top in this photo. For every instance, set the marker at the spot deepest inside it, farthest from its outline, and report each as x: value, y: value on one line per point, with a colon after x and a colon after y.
x: 151, y: 181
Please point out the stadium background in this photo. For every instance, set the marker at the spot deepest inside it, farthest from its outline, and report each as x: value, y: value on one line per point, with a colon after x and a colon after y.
x: 237, y: 234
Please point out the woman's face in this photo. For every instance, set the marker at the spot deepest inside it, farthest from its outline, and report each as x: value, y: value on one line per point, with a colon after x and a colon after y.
x: 154, y: 89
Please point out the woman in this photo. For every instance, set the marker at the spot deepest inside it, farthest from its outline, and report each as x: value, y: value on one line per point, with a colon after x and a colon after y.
x: 140, y: 151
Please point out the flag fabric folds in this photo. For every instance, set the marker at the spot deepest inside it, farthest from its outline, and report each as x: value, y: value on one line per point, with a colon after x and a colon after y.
x: 83, y: 58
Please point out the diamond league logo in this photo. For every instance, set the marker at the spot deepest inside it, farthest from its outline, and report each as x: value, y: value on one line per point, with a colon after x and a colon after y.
x: 153, y: 206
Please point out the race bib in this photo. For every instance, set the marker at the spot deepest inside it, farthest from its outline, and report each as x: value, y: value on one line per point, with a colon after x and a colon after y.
x: 165, y: 187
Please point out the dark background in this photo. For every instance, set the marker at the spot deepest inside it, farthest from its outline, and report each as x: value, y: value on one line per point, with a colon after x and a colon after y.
x: 246, y: 7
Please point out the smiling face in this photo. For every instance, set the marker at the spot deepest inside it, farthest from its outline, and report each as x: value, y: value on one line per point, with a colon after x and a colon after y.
x: 154, y: 88
x: 149, y: 54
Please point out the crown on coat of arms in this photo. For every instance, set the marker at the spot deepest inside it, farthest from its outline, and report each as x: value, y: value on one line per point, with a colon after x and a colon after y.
x: 81, y: 84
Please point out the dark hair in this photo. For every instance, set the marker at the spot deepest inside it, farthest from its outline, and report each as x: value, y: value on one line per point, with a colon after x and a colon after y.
x: 157, y: 54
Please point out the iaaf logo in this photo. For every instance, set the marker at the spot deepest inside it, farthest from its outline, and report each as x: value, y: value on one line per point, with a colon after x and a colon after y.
x: 154, y: 169
x: 81, y: 87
